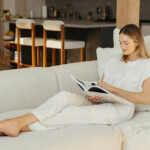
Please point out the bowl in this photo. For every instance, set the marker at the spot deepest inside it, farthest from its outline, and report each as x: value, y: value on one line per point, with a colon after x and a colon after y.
x: 8, y: 37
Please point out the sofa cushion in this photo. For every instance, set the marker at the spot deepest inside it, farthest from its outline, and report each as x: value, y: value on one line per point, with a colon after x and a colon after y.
x: 26, y: 88
x: 79, y: 137
x: 138, y: 142
x: 103, y: 56
x: 147, y: 43
x: 116, y: 38
x: 136, y: 133
x: 139, y: 122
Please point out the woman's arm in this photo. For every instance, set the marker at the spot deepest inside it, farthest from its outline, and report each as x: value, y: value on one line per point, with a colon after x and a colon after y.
x: 136, y: 97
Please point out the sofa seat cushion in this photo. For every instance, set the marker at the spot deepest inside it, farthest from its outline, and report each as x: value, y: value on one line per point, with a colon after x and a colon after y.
x: 80, y: 137
x: 138, y: 142
x: 140, y: 122
x: 136, y: 132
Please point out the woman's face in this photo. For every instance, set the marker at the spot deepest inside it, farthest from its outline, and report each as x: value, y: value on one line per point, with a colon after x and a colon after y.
x: 127, y: 44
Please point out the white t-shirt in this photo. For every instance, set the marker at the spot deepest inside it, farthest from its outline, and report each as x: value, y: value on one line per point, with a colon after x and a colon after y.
x: 128, y: 76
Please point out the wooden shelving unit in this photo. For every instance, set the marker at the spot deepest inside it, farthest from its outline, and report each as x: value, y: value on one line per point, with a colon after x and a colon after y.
x: 5, y: 50
x: 7, y: 41
x: 5, y: 53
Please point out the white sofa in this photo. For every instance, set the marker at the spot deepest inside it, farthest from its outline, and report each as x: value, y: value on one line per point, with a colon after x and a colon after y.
x: 23, y: 89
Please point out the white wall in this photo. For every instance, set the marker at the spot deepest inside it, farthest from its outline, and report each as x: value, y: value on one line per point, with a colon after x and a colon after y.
x: 21, y: 7
x: 145, y: 29
x: 35, y: 6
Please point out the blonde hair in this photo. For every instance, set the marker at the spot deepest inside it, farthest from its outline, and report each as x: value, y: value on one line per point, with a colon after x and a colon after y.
x: 132, y: 31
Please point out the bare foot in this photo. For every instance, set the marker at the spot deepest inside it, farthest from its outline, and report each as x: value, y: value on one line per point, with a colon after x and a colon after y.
x: 2, y: 134
x: 12, y: 127
x: 9, y: 127
x: 25, y: 129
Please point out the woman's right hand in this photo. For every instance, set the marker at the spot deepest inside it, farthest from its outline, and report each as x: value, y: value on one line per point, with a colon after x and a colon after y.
x: 95, y: 100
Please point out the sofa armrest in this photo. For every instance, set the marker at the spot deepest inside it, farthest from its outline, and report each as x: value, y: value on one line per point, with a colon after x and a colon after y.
x: 86, y: 71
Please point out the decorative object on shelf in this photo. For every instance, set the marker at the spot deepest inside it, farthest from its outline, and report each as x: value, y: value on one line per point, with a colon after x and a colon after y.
x: 9, y: 51
x: 6, y: 15
x: 31, y: 14
x: 9, y: 35
x: 44, y: 11
x: 1, y: 15
x: 51, y: 12
x: 90, y: 16
x: 105, y: 11
x: 98, y: 10
x: 16, y: 56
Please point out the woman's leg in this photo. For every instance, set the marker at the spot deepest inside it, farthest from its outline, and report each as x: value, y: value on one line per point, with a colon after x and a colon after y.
x: 12, y: 127
x: 57, y: 103
x: 94, y: 114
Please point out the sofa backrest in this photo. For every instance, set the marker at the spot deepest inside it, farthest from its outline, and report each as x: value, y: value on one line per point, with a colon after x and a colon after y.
x: 29, y: 87
x: 86, y: 71
x: 26, y: 88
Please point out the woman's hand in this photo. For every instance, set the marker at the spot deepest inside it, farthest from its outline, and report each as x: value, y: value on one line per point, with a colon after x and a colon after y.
x: 94, y: 100
x: 105, y: 85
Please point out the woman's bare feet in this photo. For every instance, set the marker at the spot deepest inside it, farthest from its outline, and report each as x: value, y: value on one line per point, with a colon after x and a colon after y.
x: 12, y: 127
x: 25, y: 129
x: 9, y: 127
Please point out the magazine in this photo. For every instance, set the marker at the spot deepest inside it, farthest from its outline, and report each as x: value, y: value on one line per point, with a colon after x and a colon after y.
x: 92, y: 89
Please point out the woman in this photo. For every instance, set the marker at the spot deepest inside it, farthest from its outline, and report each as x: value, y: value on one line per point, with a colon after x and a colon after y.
x: 128, y: 76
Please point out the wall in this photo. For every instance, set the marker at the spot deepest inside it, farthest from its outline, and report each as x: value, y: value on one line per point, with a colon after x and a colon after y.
x: 145, y: 9
x: 35, y: 6
x: 20, y: 7
x: 85, y: 6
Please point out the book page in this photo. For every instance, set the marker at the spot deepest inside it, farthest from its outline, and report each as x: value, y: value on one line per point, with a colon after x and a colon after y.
x: 83, y: 84
x: 80, y: 83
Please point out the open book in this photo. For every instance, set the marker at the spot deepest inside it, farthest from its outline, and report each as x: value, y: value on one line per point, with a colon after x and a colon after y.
x: 92, y: 89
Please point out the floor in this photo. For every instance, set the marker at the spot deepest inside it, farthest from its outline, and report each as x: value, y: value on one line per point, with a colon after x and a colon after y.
x: 4, y: 63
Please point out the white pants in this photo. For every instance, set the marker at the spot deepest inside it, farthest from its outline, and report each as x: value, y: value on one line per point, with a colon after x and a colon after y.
x: 65, y: 109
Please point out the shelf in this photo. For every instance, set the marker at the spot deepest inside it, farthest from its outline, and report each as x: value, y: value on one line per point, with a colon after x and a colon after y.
x: 7, y: 41
x: 14, y: 61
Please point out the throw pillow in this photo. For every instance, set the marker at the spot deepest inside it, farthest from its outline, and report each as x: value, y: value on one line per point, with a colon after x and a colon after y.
x: 103, y: 55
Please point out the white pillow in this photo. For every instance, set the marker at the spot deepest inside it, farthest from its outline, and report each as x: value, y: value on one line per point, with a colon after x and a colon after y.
x: 116, y: 38
x: 103, y: 55
x: 147, y: 43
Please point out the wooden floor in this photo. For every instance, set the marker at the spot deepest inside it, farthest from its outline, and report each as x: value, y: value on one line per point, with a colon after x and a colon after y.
x: 4, y: 63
